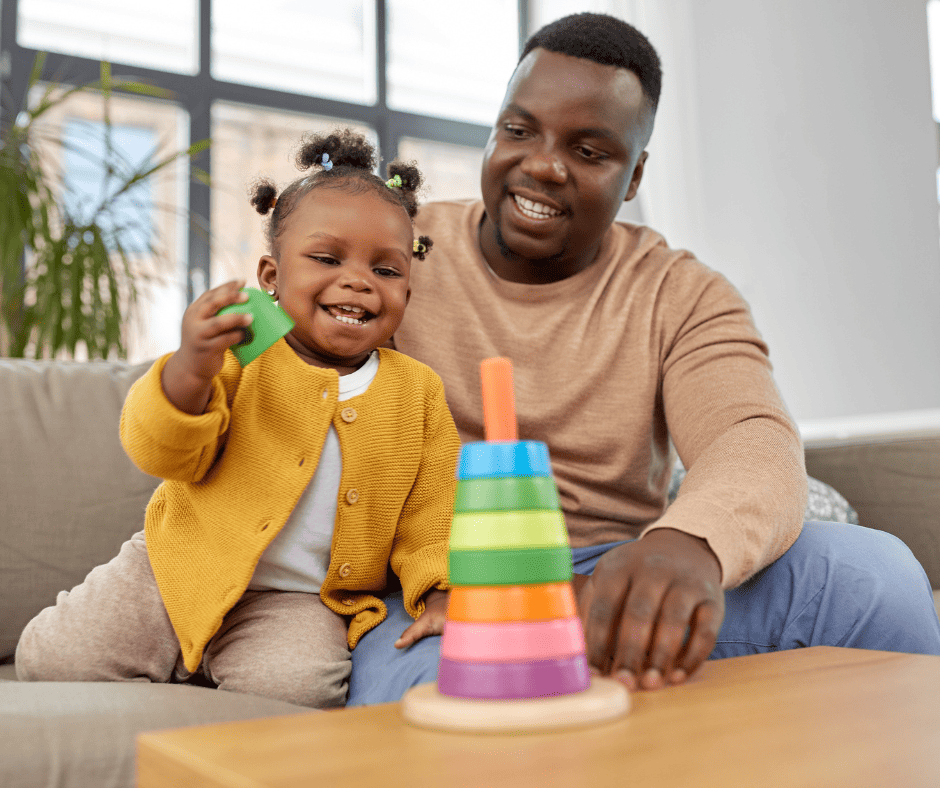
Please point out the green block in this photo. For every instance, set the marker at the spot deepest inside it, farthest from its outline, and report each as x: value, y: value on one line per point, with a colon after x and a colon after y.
x: 269, y: 325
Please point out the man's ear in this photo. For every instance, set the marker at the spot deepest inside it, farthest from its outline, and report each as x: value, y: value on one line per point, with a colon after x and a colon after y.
x: 267, y: 273
x: 636, y: 177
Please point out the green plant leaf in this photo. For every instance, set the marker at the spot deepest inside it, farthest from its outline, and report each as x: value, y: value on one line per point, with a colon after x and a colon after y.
x: 79, y: 283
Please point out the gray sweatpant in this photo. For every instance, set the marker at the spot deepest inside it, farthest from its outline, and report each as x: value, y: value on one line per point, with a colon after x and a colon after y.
x: 114, y: 627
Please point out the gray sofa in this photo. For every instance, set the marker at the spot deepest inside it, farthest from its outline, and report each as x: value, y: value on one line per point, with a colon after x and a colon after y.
x: 69, y: 497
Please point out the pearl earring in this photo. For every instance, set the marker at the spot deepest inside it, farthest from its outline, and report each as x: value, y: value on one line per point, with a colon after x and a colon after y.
x: 270, y: 292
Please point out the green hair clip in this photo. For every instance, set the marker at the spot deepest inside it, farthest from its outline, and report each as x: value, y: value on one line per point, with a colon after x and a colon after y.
x: 419, y: 248
x: 394, y: 182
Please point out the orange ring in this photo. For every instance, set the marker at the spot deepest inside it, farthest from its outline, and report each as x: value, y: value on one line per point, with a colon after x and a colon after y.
x: 511, y: 603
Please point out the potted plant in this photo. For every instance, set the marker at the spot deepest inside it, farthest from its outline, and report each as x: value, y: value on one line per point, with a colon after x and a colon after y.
x: 68, y: 278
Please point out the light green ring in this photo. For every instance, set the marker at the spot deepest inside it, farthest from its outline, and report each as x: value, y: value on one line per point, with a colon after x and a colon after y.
x: 507, y: 530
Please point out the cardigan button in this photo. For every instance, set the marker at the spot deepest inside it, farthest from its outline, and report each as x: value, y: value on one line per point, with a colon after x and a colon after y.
x: 345, y: 570
x: 326, y: 393
x: 352, y: 495
x: 348, y: 415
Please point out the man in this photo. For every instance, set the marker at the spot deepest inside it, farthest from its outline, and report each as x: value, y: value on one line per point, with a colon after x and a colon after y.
x: 622, y: 346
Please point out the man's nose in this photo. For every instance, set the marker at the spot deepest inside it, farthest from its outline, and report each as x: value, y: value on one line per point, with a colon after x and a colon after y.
x: 545, y: 165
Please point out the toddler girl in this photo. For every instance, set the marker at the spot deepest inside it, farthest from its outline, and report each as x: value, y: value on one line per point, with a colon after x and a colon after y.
x: 291, y: 486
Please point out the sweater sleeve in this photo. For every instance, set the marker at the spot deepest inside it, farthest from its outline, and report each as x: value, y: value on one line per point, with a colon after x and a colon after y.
x: 419, y: 550
x: 745, y: 491
x: 166, y: 442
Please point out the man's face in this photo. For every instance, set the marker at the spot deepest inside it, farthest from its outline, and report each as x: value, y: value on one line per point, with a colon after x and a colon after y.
x: 566, y: 151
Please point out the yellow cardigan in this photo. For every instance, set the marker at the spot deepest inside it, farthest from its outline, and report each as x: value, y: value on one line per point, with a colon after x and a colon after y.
x: 233, y: 474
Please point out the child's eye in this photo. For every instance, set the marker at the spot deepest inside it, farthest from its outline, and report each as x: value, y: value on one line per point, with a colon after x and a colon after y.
x: 326, y: 260
x: 390, y: 272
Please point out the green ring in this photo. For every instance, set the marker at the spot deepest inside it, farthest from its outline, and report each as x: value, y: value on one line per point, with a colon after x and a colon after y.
x: 506, y: 493
x: 509, y: 567
x: 508, y: 530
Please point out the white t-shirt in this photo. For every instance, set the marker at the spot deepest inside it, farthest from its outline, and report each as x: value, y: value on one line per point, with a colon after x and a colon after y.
x: 298, y: 557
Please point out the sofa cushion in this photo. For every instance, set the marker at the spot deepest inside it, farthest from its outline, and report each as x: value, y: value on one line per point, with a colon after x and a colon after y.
x: 823, y: 502
x: 70, y: 494
x: 82, y: 734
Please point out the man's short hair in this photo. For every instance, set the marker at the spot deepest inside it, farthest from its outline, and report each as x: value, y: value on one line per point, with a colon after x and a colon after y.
x: 606, y: 40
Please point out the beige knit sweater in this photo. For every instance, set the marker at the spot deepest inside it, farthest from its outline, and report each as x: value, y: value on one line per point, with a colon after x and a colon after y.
x: 644, y: 345
x: 233, y: 474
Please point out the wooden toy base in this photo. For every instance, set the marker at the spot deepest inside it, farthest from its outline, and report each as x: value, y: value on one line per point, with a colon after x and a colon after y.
x: 604, y: 700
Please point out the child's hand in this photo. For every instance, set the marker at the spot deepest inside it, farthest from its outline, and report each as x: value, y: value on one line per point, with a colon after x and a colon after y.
x: 206, y: 335
x: 430, y: 622
x: 187, y: 375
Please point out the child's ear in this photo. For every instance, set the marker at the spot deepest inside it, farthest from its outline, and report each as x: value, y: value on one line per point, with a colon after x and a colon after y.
x: 407, y: 296
x: 267, y: 273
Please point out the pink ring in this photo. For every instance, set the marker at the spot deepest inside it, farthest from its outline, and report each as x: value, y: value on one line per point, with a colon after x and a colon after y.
x: 512, y: 641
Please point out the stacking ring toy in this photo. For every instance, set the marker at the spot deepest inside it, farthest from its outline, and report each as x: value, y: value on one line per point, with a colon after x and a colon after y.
x: 511, y: 603
x: 512, y: 641
x: 540, y: 679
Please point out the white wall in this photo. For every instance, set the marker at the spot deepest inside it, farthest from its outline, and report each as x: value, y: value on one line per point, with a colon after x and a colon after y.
x: 795, y: 151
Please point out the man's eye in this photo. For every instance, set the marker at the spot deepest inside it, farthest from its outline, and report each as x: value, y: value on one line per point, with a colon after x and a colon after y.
x: 590, y: 153
x: 516, y: 131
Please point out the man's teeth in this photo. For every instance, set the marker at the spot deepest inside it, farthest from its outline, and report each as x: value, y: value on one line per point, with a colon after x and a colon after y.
x: 535, y: 210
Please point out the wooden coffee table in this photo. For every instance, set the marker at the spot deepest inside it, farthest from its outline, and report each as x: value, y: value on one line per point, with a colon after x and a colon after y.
x: 811, y: 717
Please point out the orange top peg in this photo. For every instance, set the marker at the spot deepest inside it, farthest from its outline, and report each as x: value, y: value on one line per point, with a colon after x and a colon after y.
x: 499, y: 402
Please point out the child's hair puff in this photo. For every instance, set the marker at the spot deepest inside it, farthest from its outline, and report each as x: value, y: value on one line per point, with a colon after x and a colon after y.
x: 342, y: 159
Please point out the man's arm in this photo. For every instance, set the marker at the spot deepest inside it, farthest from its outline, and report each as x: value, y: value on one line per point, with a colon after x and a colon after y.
x: 653, y: 608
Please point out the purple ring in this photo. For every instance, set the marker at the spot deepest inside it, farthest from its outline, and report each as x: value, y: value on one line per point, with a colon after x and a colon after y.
x: 505, y: 680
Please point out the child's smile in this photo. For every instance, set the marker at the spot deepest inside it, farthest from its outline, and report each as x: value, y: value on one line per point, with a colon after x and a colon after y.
x: 342, y: 273
x: 350, y: 315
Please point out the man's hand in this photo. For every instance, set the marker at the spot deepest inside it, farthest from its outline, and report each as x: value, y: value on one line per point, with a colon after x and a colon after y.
x: 430, y: 622
x: 652, y: 609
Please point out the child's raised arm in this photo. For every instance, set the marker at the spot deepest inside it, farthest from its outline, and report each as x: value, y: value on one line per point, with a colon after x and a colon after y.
x: 187, y: 375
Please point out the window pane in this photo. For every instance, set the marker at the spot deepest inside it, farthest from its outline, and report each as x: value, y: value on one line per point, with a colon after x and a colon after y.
x: 156, y: 35
x: 250, y: 143
x: 317, y: 49
x: 70, y: 141
x: 453, y: 61
x: 88, y: 183
x: 451, y: 172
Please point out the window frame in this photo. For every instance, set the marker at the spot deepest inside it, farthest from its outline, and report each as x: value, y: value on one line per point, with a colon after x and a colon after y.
x: 196, y: 93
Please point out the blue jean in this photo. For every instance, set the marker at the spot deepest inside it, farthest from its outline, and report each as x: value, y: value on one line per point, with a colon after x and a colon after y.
x: 838, y: 585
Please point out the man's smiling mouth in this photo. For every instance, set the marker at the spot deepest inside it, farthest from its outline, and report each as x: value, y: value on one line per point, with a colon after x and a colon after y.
x: 535, y: 210
x: 350, y: 315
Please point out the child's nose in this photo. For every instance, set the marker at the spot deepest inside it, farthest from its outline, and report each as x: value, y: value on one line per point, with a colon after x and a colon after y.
x: 355, y: 281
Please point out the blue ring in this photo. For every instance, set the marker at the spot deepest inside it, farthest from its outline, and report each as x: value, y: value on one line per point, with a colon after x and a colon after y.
x: 486, y: 459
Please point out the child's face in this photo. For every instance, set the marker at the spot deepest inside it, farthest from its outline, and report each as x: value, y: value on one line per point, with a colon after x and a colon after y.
x: 342, y: 275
